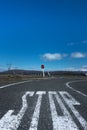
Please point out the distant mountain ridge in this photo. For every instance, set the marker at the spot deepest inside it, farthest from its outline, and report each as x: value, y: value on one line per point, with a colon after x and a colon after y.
x: 36, y: 72
x: 20, y: 71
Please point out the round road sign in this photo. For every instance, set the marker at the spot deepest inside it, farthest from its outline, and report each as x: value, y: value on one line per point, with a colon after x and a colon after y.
x: 42, y: 66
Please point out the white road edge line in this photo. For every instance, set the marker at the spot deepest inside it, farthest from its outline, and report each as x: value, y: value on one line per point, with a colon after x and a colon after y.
x: 67, y: 84
x: 4, y: 86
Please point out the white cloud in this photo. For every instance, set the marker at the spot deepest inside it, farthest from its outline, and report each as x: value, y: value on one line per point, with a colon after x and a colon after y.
x: 2, y: 69
x: 83, y: 68
x: 78, y: 55
x: 84, y: 41
x: 70, y: 69
x: 54, y: 56
x: 71, y: 43
x: 76, y: 43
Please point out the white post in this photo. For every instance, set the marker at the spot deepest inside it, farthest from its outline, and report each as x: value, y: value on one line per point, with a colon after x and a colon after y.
x: 42, y: 67
x: 43, y: 73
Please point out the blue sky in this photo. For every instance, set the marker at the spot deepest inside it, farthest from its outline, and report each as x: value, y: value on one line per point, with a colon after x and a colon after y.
x: 52, y: 32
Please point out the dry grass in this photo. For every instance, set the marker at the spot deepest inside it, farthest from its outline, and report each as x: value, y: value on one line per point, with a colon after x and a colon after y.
x: 16, y: 78
x: 6, y: 79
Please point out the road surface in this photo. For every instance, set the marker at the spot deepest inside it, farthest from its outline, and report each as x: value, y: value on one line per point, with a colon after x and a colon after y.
x: 50, y: 104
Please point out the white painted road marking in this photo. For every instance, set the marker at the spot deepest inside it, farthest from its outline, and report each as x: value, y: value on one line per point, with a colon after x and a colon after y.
x: 12, y: 122
x: 67, y: 84
x: 64, y: 122
x: 5, y: 86
x: 71, y: 102
x: 35, y: 118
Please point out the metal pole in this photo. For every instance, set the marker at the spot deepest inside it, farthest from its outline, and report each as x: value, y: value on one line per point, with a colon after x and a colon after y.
x: 43, y: 73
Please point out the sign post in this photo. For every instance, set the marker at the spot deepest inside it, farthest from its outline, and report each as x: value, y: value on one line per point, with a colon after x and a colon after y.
x: 42, y: 67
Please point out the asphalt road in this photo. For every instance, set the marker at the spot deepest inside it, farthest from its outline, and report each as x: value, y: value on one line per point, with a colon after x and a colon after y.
x: 50, y: 104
